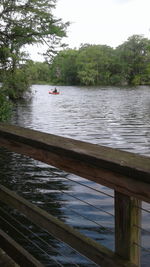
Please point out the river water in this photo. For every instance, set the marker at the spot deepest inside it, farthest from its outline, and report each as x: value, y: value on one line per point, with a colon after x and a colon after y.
x: 110, y: 116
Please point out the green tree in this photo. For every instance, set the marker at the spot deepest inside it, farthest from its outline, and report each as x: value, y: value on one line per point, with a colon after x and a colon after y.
x: 5, y: 108
x: 26, y: 22
x: 94, y: 64
x: 134, y: 55
x: 16, y: 83
x: 38, y: 72
x: 64, y: 67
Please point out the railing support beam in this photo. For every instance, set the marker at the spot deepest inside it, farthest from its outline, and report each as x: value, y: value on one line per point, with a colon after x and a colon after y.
x: 127, y: 227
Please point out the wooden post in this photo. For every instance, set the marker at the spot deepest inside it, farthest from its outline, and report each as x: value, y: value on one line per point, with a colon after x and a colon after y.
x: 127, y: 234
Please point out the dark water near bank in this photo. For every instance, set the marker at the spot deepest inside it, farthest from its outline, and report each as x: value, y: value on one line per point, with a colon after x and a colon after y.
x: 114, y: 117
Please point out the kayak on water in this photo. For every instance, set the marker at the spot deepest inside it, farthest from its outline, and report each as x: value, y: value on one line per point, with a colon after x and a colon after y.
x: 53, y: 93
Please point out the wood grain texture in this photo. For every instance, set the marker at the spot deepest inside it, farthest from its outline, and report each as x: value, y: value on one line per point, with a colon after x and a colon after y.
x: 124, y: 172
x: 127, y: 234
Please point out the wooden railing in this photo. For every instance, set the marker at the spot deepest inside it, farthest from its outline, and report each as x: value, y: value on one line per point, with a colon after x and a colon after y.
x: 128, y: 174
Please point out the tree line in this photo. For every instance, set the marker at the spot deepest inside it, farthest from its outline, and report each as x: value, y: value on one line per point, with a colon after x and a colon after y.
x: 92, y: 65
x: 128, y: 64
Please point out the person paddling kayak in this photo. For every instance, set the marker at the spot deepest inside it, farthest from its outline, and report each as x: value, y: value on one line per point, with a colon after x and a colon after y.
x: 55, y: 90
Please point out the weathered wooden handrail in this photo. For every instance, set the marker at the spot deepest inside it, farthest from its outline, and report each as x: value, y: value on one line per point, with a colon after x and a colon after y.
x: 122, y: 171
x: 128, y: 174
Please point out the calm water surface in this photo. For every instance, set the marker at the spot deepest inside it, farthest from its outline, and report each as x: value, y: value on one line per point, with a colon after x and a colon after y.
x: 114, y: 117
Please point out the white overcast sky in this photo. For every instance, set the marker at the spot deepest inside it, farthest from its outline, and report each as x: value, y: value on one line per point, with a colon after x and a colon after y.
x: 108, y: 22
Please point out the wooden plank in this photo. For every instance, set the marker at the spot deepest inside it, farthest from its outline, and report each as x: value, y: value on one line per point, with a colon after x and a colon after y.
x: 129, y: 163
x: 127, y: 234
x: 16, y: 252
x: 124, y: 172
x: 86, y: 246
